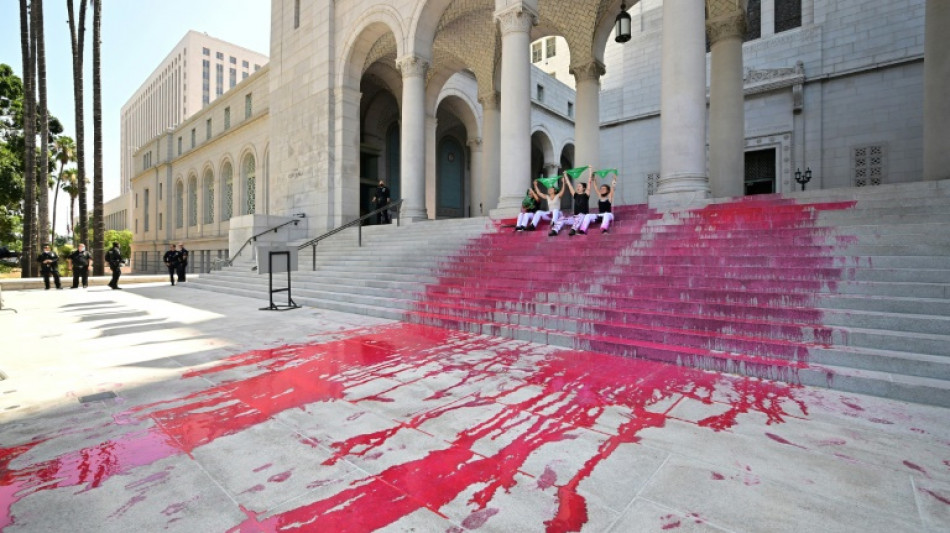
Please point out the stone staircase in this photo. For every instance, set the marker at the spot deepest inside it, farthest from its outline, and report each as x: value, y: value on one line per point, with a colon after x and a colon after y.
x: 847, y: 289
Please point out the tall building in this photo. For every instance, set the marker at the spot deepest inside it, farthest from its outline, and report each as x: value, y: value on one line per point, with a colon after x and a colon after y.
x: 166, y: 99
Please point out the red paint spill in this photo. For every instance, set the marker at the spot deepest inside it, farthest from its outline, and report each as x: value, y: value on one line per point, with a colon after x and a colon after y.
x: 717, y: 476
x: 880, y: 421
x: 936, y: 496
x: 916, y: 467
x: 671, y: 525
x: 478, y: 518
x: 852, y: 405
x: 781, y: 440
x: 262, y: 467
x: 573, y: 389
x: 832, y: 442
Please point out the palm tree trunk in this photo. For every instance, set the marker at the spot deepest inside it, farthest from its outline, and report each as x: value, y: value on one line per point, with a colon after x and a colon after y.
x: 29, y: 141
x: 77, y: 40
x: 98, y: 251
x: 42, y: 166
x: 59, y: 181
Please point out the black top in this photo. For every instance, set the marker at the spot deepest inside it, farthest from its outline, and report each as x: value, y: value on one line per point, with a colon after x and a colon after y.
x: 581, y: 203
x: 603, y: 206
x: 382, y: 195
x: 52, y: 257
x: 80, y: 259
x: 183, y: 256
x: 114, y: 257
x: 171, y: 258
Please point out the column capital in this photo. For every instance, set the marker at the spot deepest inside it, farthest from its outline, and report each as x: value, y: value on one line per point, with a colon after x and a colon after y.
x: 475, y: 144
x: 591, y: 70
x: 412, y: 66
x: 732, y: 25
x: 489, y: 100
x: 518, y: 18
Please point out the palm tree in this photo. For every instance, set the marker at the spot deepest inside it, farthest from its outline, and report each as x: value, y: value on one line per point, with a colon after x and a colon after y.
x: 42, y: 166
x: 98, y: 251
x: 77, y: 40
x: 69, y: 182
x: 64, y: 148
x: 27, y: 44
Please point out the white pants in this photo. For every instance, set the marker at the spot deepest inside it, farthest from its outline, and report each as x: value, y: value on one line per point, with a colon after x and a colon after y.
x: 606, y: 219
x: 553, y: 216
x: 574, y: 221
x: 524, y: 219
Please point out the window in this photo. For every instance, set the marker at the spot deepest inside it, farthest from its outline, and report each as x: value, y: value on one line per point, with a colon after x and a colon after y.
x: 219, y: 56
x: 244, y: 75
x: 219, y: 80
x: 248, y: 105
x: 179, y: 145
x: 540, y: 92
x: 536, y: 52
x: 227, y: 202
x: 208, y: 129
x: 233, y: 78
x: 753, y: 21
x: 193, y: 137
x: 570, y: 109
x: 244, y: 64
x: 256, y: 67
x: 146, y: 210
x: 136, y: 201
x: 788, y: 15
x: 193, y: 201
x: 227, y: 118
x: 232, y: 60
x: 296, y: 14
x: 205, y: 52
x: 249, y: 173
x: 136, y: 225
x: 159, y: 222
x: 868, y: 162
x: 551, y: 45
x: 179, y: 204
x: 209, y: 197
x: 653, y: 183
x: 205, y: 82
x: 159, y: 191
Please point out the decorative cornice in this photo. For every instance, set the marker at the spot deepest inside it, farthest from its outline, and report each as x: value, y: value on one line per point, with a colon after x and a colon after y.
x: 489, y: 100
x: 732, y: 25
x: 412, y: 66
x: 475, y: 144
x: 765, y: 80
x: 517, y: 18
x: 592, y: 70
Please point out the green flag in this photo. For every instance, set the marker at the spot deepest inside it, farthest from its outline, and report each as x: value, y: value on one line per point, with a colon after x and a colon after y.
x: 550, y: 181
x: 606, y: 172
x: 575, y: 173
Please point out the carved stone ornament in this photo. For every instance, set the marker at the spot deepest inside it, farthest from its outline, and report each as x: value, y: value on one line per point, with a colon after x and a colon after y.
x: 489, y: 100
x: 516, y: 19
x: 764, y: 80
x: 592, y: 70
x: 732, y: 25
x: 412, y: 66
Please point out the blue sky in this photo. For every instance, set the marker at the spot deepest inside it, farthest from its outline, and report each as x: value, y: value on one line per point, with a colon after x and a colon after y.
x: 136, y: 36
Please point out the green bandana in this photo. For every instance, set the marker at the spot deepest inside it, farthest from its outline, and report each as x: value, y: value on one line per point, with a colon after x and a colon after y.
x: 606, y: 172
x: 576, y: 173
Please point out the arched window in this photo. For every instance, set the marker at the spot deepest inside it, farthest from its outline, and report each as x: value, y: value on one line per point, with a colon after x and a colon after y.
x: 249, y: 170
x: 227, y: 198
x: 193, y: 201
x: 179, y: 204
x: 209, y: 197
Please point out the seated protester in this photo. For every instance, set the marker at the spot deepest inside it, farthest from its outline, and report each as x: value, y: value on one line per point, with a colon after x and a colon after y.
x: 553, y: 213
x: 528, y: 207
x: 605, y: 198
x: 581, y: 208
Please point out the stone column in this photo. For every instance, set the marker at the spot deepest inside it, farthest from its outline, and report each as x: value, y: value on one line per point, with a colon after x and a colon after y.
x: 936, y: 86
x: 587, y: 121
x: 515, y: 158
x: 413, y: 139
x: 683, y: 102
x: 431, y: 177
x: 491, y: 150
x: 476, y: 182
x: 550, y: 169
x: 726, y: 106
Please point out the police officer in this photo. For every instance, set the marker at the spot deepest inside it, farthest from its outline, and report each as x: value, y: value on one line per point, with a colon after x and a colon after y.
x: 114, y: 258
x: 82, y: 261
x: 171, y: 261
x: 182, y: 262
x: 49, y: 265
x: 382, y: 200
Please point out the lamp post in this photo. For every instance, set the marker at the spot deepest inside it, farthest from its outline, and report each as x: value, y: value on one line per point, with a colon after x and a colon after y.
x: 803, y: 179
x: 622, y: 25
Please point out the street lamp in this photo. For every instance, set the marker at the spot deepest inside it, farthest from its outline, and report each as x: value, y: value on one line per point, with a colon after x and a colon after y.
x: 622, y: 25
x: 803, y: 179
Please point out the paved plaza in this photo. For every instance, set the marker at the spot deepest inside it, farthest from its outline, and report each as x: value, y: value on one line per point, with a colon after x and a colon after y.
x: 170, y: 408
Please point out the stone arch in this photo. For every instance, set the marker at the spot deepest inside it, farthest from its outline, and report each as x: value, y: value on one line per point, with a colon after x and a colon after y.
x: 368, y: 29
x: 207, y: 187
x: 179, y: 203
x: 542, y: 150
x: 192, y: 199
x: 424, y: 25
x: 249, y: 183
x: 462, y: 105
x: 604, y: 29
x: 566, y: 154
x: 226, y: 178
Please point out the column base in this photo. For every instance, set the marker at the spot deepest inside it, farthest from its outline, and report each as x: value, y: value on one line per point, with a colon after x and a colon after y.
x: 508, y: 206
x: 684, y: 199
x: 410, y: 215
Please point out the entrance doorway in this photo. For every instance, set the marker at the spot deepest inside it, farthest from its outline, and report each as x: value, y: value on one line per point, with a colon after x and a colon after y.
x: 760, y: 172
x: 450, y: 185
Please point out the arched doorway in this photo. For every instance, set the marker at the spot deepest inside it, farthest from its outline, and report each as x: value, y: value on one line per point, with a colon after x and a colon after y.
x: 450, y: 184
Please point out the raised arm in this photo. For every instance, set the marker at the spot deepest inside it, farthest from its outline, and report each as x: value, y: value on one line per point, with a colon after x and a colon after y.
x: 567, y: 180
x: 534, y: 187
x: 613, y: 189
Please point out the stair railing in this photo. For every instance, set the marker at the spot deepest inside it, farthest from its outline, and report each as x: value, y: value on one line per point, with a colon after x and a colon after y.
x: 358, y: 222
x: 218, y: 264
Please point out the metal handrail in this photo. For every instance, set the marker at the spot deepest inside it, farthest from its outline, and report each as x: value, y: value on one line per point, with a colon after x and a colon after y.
x: 251, y: 239
x: 358, y: 222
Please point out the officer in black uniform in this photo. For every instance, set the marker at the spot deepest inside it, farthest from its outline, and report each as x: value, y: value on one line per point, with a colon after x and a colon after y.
x: 382, y: 200
x: 182, y: 262
x: 171, y: 261
x: 81, y: 260
x: 114, y: 258
x: 49, y: 265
